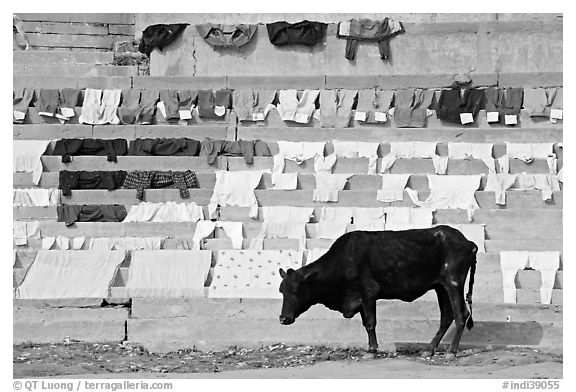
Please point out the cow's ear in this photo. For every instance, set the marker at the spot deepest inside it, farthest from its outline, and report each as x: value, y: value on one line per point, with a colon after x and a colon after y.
x: 290, y: 271
x: 310, y: 275
x: 282, y: 273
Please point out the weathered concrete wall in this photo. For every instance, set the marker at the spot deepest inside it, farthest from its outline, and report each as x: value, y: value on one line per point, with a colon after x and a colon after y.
x: 433, y: 44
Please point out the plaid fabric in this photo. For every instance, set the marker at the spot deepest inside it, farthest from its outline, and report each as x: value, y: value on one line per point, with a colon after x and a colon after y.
x: 141, y: 180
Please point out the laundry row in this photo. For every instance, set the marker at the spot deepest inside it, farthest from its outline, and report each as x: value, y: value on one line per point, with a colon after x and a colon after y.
x: 335, y: 108
x: 307, y: 33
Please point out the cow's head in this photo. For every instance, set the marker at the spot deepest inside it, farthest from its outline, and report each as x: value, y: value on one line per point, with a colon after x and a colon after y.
x: 297, y: 292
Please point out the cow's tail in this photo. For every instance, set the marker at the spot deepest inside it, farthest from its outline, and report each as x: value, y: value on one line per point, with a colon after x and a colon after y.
x: 470, y: 322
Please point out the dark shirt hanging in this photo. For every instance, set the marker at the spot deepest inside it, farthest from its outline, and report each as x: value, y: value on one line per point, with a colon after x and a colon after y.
x: 159, y: 36
x: 110, y: 180
x: 142, y: 180
x: 165, y: 147
x: 99, y: 147
x: 301, y: 33
x: 246, y: 148
x: 369, y: 30
x: 72, y: 213
x: 226, y: 36
x: 451, y: 104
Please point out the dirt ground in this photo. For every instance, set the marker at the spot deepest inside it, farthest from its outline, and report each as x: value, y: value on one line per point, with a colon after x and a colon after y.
x: 121, y: 360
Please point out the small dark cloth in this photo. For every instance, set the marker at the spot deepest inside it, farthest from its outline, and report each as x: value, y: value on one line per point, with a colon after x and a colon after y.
x: 208, y: 100
x: 142, y: 180
x: 159, y: 36
x: 301, y: 33
x: 246, y: 148
x: 451, y: 104
x: 164, y: 147
x: 226, y: 36
x: 99, y: 147
x: 72, y: 213
x: 48, y: 100
x: 70, y: 97
x: 371, y: 30
x: 110, y: 180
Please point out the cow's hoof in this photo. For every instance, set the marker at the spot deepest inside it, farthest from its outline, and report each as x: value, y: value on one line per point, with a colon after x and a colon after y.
x: 426, y: 354
x: 450, y: 356
x: 372, y: 350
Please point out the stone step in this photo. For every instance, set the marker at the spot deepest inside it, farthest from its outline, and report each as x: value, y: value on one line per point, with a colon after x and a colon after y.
x: 51, y: 57
x: 109, y: 18
x: 74, y: 41
x: 79, y: 28
x: 104, y: 82
x: 79, y: 70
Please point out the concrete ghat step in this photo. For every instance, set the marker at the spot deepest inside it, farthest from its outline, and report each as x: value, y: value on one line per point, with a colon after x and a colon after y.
x: 59, y: 58
x: 76, y: 69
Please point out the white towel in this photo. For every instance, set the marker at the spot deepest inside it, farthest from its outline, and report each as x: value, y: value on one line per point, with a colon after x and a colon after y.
x: 235, y: 189
x: 36, y: 197
x: 27, y: 157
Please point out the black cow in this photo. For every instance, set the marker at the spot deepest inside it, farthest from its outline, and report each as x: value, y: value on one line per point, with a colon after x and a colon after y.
x: 362, y: 267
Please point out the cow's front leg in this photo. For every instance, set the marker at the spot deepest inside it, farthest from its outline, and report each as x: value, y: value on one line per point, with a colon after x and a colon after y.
x: 368, y: 313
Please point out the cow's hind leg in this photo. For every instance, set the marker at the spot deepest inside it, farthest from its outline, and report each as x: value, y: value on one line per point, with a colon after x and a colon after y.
x: 461, y: 314
x: 368, y: 313
x: 446, y: 318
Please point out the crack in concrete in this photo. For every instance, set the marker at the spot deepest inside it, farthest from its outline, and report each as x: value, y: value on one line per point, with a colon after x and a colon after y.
x: 194, y: 55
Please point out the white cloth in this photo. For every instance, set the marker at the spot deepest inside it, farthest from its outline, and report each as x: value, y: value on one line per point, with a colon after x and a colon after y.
x: 127, y: 243
x: 545, y: 183
x: 235, y: 189
x: 406, y: 218
x: 205, y: 227
x: 454, y: 191
x: 560, y: 175
x: 63, y: 243
x: 284, y: 181
x: 25, y: 230
x: 513, y: 261
x: 168, y: 273
x: 251, y: 273
x: 353, y: 149
x: 527, y: 152
x: 70, y: 274
x: 411, y: 150
x: 283, y: 222
x: 392, y: 187
x: 472, y: 232
x: 482, y: 151
x: 165, y: 212
x: 315, y: 254
x: 293, y: 109
x: 369, y: 219
x: 100, y: 106
x: 330, y: 230
x: 298, y: 152
x: 499, y: 184
x: 336, y: 214
x: 27, y: 157
x: 324, y: 164
x: 36, y: 197
x: 328, y: 185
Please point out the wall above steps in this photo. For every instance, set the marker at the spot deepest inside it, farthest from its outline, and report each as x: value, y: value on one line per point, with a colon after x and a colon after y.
x: 432, y: 44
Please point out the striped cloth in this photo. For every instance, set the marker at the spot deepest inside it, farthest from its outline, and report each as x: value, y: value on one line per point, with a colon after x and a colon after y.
x: 141, y: 180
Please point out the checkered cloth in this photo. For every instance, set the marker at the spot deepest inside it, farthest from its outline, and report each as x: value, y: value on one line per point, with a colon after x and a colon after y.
x: 141, y: 180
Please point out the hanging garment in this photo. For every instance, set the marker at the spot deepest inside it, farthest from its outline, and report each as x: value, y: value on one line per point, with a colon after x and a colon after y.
x: 454, y: 108
x: 110, y: 180
x: 251, y: 273
x: 283, y: 222
x: 353, y: 149
x: 494, y: 104
x: 47, y: 102
x: 556, y: 109
x: 27, y: 157
x: 474, y: 233
x: 96, y: 147
x: 70, y: 274
x: 392, y: 187
x: 336, y: 107
x: 560, y: 175
x: 73, y: 213
x: 69, y: 99
x: 503, y: 105
x: 285, y: 181
x: 159, y: 36
x: 324, y: 164
x: 36, y: 197
x: 329, y: 230
x: 177, y: 105
x: 205, y: 227
x: 300, y: 110
x: 100, y: 107
x: 235, y: 189
x: 164, y: 147
x: 21, y: 100
x: 301, y: 33
x: 499, y: 184
x: 454, y: 191
x: 226, y: 36
x: 536, y: 102
x: 147, y: 107
x: 130, y: 106
x: 246, y: 148
x: 165, y: 212
x: 252, y: 105
x: 513, y: 261
x: 213, y: 105
x: 369, y: 219
x: 373, y: 105
x: 298, y: 152
x: 126, y: 243
x: 315, y: 254
x: 328, y: 185
x: 527, y: 152
x: 482, y: 151
x: 168, y: 273
x: 63, y: 243
x: 406, y: 218
x: 545, y: 183
x: 381, y: 31
x: 411, y: 107
x: 336, y: 214
x: 141, y: 180
x: 24, y: 231
x: 411, y: 150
